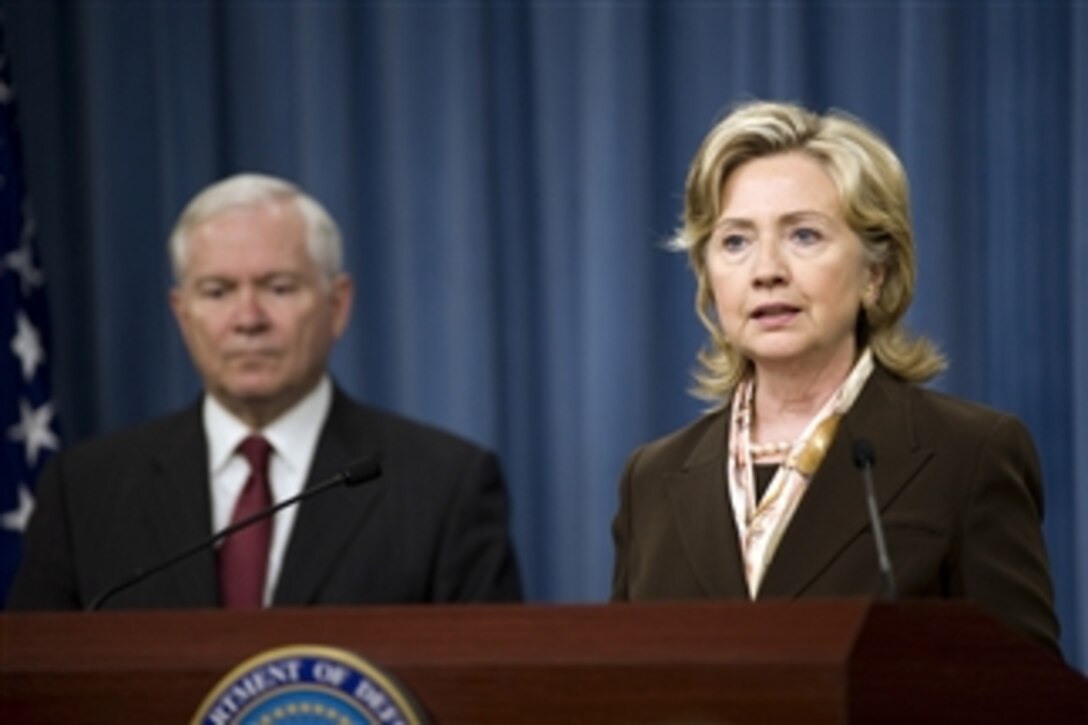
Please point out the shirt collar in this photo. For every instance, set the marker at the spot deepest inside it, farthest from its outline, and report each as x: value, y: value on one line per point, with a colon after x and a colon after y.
x: 293, y: 435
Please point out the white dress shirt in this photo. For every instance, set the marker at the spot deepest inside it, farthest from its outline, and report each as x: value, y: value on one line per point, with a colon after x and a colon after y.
x: 293, y: 437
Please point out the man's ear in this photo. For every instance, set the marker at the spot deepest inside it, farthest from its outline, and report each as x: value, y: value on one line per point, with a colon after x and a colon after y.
x: 177, y: 304
x: 342, y: 296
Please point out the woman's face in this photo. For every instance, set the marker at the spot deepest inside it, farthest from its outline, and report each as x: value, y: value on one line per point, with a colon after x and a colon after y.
x: 787, y: 273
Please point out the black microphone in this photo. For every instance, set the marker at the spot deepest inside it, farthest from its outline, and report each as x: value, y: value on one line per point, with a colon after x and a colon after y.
x: 865, y: 459
x: 354, y: 474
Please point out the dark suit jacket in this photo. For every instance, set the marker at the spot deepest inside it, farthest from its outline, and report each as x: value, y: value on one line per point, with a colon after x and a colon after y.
x: 432, y: 528
x: 958, y: 487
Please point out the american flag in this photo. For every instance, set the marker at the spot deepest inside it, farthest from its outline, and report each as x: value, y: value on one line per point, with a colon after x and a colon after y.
x: 27, y: 414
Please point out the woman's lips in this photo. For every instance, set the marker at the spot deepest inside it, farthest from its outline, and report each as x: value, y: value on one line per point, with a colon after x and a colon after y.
x: 776, y: 315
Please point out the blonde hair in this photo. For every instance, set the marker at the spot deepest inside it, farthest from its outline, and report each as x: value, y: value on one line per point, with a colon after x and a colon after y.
x: 875, y: 197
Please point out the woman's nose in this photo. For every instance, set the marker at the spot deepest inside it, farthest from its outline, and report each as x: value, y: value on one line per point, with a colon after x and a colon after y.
x: 769, y: 267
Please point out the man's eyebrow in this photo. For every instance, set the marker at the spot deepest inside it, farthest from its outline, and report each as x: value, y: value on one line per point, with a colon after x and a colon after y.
x: 212, y: 278
x: 279, y: 275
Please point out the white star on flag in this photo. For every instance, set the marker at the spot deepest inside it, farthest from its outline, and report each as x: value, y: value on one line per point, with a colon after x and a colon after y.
x: 29, y: 425
x: 17, y: 518
x: 33, y: 430
x: 20, y: 262
x: 27, y: 346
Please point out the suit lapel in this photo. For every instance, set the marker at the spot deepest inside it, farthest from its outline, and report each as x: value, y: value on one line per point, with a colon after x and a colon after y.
x: 704, y: 515
x: 833, y: 511
x: 326, y: 523
x: 176, y: 502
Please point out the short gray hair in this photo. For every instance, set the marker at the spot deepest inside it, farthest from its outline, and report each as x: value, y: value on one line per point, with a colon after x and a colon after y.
x: 323, y: 238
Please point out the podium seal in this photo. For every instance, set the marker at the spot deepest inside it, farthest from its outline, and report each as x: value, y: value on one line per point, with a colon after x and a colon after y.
x: 308, y: 684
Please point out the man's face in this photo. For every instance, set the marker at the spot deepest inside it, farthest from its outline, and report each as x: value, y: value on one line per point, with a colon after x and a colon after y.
x: 258, y: 315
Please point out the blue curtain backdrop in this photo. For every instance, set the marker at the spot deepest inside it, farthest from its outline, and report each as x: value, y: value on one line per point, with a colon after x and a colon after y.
x: 505, y: 174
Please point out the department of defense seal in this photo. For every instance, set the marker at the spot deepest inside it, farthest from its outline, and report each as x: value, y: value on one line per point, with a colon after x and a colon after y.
x: 308, y: 684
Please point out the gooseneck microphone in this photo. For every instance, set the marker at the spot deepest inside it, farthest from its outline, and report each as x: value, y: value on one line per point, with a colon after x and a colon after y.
x: 864, y: 460
x: 354, y: 474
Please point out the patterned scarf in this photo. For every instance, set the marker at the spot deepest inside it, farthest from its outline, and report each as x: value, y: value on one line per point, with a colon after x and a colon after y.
x: 760, y: 526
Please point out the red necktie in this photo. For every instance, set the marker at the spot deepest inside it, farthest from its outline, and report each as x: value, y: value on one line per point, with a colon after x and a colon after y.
x: 243, y: 556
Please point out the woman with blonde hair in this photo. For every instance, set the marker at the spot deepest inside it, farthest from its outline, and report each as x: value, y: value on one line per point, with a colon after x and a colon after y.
x: 797, y: 226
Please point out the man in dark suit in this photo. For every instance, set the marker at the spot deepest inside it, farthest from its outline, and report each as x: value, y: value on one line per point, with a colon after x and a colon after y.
x: 261, y: 297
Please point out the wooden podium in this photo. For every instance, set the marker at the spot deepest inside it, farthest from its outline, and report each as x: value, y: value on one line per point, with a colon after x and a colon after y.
x: 834, y: 661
